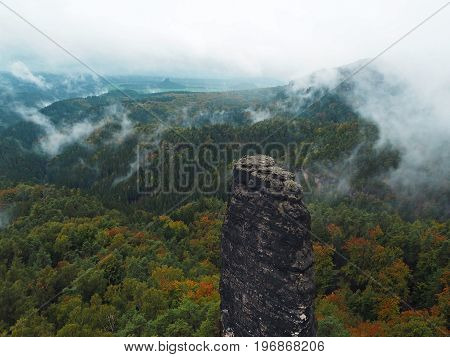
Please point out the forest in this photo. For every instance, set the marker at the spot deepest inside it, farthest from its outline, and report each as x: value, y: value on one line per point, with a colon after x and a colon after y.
x: 84, y: 253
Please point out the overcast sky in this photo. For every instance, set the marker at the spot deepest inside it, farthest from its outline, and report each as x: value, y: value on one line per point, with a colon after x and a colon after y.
x: 277, y: 39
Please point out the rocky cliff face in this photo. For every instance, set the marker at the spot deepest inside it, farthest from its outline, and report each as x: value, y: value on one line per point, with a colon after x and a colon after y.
x: 267, y: 283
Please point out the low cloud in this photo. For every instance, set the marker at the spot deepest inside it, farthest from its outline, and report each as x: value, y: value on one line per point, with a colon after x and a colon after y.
x: 5, y: 217
x: 19, y: 70
x: 132, y: 169
x: 257, y: 115
x: 56, y: 139
x: 212, y: 39
x: 118, y: 114
x: 411, y: 115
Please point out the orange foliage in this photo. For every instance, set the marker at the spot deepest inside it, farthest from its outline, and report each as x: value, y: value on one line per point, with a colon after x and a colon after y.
x: 190, y: 284
x: 336, y: 298
x: 161, y: 252
x: 322, y: 250
x: 8, y: 194
x: 139, y: 235
x: 336, y: 304
x: 395, y: 275
x: 376, y: 232
x: 356, y: 242
x: 115, y: 231
x: 439, y: 238
x: 368, y: 329
x: 443, y: 305
x: 106, y: 259
x: 62, y: 264
x: 360, y: 249
x: 205, y: 289
x: 388, y: 308
x: 334, y: 230
x: 445, y: 278
x: 168, y: 278
x: 202, y: 290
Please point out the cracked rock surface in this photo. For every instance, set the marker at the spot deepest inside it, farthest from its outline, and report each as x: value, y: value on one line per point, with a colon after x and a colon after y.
x: 267, y: 281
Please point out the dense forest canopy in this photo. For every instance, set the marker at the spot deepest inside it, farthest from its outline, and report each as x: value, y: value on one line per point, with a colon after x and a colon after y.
x: 84, y: 253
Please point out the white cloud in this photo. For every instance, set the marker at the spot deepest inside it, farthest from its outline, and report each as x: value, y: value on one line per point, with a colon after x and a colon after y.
x: 117, y: 113
x: 282, y: 39
x: 19, y: 70
x: 132, y: 169
x: 413, y: 116
x: 56, y: 139
x: 257, y: 115
x: 411, y: 113
x: 5, y: 217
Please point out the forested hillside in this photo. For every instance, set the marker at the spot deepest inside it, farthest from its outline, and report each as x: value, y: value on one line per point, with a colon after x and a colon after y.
x: 84, y: 253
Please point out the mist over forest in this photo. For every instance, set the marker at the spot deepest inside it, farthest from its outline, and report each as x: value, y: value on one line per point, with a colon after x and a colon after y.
x: 114, y: 182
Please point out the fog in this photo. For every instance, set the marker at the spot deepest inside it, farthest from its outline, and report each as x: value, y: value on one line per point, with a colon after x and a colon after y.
x: 412, y: 115
x: 57, y: 137
x: 21, y: 71
x: 280, y: 39
x: 285, y: 40
x: 5, y: 217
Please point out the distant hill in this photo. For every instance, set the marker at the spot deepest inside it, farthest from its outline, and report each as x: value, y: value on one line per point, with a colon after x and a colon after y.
x: 168, y: 84
x: 83, y: 252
